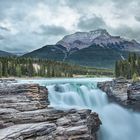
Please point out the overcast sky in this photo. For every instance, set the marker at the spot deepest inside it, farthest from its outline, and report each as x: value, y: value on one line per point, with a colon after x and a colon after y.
x: 26, y: 25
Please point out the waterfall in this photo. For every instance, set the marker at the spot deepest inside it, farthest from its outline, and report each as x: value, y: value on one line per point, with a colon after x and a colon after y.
x: 117, y: 123
x: 76, y: 95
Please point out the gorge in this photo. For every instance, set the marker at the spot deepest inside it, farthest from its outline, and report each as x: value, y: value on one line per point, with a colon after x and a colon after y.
x: 117, y: 122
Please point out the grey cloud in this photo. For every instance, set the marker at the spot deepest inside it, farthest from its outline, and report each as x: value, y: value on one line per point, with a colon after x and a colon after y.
x: 73, y: 3
x: 91, y: 23
x: 122, y: 2
x: 17, y: 13
x: 4, y: 28
x: 20, y: 42
x: 52, y: 30
x: 16, y: 9
x: 127, y: 32
x: 124, y: 5
x: 2, y: 37
x: 81, y: 6
x: 137, y: 18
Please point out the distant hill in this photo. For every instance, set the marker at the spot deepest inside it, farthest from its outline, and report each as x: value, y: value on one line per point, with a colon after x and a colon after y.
x: 52, y: 52
x: 95, y: 48
x: 19, y: 53
x: 4, y: 54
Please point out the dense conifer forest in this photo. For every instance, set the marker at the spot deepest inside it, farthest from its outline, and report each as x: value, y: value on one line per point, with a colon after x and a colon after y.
x: 128, y: 68
x: 29, y: 67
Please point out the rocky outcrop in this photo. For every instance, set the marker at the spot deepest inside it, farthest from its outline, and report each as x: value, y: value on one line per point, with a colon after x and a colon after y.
x: 24, y: 114
x: 134, y: 95
x: 23, y: 97
x: 123, y: 91
x: 7, y: 80
x: 116, y: 89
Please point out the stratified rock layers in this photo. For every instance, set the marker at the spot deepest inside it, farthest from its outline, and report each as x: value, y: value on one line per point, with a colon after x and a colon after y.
x: 25, y: 115
x: 126, y: 93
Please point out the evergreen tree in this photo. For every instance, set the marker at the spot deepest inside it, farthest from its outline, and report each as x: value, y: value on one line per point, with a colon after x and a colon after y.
x: 18, y: 71
x: 0, y: 69
x: 117, y: 72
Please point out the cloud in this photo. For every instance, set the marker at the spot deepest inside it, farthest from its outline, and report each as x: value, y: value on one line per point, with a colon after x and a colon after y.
x: 137, y: 18
x: 122, y: 3
x: 127, y: 32
x: 80, y: 3
x: 4, y: 28
x: 29, y: 24
x: 91, y: 23
x: 52, y: 30
x: 1, y: 37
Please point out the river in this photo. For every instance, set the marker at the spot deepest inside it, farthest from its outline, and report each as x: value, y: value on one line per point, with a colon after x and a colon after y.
x: 118, y: 123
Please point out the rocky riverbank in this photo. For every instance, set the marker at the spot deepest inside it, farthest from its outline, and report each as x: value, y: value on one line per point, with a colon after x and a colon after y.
x: 25, y: 115
x: 124, y: 92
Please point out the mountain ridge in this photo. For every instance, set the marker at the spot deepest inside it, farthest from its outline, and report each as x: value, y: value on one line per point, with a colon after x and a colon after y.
x: 94, y: 48
x: 4, y: 54
x: 99, y: 37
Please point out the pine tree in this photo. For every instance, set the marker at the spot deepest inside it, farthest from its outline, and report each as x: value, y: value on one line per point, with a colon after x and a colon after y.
x: 0, y: 69
x: 117, y: 72
x: 18, y: 71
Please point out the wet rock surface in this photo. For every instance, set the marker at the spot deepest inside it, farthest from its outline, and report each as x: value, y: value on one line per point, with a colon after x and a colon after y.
x: 25, y: 115
x: 125, y: 92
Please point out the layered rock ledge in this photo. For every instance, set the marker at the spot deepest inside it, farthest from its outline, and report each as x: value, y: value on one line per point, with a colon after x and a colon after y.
x: 25, y: 115
x: 124, y: 92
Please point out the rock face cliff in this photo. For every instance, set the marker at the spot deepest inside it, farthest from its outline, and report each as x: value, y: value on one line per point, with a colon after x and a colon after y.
x: 25, y: 115
x: 126, y: 93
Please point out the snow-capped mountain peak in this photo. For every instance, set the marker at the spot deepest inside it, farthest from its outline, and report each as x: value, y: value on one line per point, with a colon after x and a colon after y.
x: 99, y: 37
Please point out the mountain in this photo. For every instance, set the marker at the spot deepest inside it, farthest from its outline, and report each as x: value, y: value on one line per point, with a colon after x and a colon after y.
x: 4, y: 54
x: 19, y: 53
x: 52, y: 52
x: 95, y: 48
x: 99, y: 37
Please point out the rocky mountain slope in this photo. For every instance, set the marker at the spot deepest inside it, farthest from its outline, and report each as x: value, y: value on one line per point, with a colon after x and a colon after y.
x: 95, y: 48
x: 99, y: 37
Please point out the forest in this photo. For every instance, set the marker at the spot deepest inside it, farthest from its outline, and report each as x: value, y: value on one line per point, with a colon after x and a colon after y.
x: 34, y: 67
x: 128, y: 68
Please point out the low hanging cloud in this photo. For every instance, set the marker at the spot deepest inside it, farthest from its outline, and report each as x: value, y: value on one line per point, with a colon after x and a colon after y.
x: 91, y: 23
x: 127, y: 32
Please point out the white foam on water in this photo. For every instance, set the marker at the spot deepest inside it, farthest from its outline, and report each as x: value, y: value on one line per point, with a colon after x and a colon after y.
x: 82, y: 93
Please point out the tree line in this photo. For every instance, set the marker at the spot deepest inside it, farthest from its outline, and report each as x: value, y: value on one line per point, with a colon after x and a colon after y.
x: 31, y: 67
x: 128, y: 68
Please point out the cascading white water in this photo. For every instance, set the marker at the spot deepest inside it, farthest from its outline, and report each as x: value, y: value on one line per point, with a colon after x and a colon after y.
x: 117, y: 123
